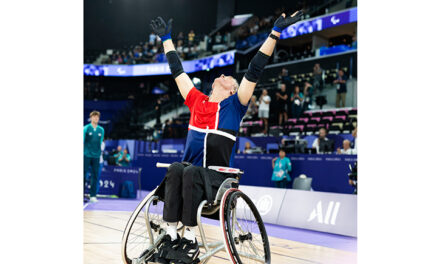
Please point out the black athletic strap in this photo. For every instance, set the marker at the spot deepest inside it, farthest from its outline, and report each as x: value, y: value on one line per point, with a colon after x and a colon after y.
x: 176, y: 67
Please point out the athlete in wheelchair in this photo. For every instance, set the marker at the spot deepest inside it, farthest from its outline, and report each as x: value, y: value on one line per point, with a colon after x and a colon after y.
x: 203, y: 184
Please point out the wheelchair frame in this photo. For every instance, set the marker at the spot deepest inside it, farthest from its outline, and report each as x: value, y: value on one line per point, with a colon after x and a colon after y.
x: 228, y: 185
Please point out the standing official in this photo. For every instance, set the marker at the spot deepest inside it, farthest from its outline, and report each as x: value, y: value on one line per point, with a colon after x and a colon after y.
x: 93, y: 137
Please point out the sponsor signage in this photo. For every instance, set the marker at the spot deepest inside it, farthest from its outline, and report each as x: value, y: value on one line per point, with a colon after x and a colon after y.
x: 320, y: 211
x: 320, y: 23
x: 206, y: 63
x: 112, y: 178
x: 268, y: 201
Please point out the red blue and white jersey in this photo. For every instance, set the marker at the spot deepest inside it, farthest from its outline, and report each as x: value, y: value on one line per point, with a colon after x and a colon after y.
x: 212, y: 129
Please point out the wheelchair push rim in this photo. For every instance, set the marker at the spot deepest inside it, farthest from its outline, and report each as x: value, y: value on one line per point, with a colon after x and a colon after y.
x: 143, y: 230
x: 245, y: 236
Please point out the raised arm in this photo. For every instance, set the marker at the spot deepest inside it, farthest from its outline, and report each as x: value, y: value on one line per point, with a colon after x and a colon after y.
x: 260, y: 60
x: 182, y: 79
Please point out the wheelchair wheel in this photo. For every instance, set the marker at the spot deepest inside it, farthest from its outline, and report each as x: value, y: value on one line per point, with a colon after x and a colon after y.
x: 244, y: 233
x: 144, y: 231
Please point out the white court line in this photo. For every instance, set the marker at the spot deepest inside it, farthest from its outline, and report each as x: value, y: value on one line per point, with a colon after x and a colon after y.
x: 85, y: 206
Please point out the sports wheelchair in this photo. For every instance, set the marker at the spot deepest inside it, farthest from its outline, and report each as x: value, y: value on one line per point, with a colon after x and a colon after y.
x: 244, y: 237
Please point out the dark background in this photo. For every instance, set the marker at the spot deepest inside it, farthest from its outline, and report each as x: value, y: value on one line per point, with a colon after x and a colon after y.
x: 115, y: 23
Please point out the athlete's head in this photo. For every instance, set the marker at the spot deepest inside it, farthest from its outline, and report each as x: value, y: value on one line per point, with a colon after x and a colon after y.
x: 94, y: 117
x: 119, y: 148
x: 297, y: 89
x: 264, y: 92
x: 225, y: 85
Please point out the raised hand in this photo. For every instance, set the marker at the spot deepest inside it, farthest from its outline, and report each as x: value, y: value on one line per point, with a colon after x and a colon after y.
x: 162, y: 29
x: 282, y: 22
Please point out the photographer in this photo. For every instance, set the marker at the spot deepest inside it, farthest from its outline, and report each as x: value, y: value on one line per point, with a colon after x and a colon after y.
x: 124, y: 159
x: 352, y: 177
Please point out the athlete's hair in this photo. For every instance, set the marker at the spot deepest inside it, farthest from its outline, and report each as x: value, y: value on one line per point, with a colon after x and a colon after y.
x: 94, y: 112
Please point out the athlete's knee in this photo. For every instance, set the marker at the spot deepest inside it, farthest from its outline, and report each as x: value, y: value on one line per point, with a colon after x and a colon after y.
x: 189, y: 173
x: 175, y: 170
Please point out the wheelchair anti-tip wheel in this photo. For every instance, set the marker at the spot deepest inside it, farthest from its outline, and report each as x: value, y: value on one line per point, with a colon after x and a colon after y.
x: 144, y: 231
x: 245, y: 237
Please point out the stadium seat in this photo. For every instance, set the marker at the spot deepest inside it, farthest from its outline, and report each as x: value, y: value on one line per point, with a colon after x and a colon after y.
x: 310, y: 129
x: 316, y: 114
x: 304, y: 184
x: 339, y: 119
x: 347, y: 128
x: 328, y: 113
x: 328, y: 118
x: 334, y: 129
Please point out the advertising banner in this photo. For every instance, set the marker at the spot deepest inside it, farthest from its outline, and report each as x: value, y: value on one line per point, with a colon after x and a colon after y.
x: 267, y: 200
x: 320, y: 23
x: 206, y: 63
x: 319, y: 211
x: 112, y: 178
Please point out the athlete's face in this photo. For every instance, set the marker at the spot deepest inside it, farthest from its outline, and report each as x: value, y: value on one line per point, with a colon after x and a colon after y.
x: 94, y: 119
x: 227, y: 83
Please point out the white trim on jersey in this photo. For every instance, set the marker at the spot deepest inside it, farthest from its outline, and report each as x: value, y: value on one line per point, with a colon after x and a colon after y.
x: 213, y: 131
x: 204, y: 149
x: 217, y: 116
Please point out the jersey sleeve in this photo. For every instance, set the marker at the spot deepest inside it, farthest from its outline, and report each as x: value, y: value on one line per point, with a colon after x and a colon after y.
x: 242, y: 109
x: 192, y: 97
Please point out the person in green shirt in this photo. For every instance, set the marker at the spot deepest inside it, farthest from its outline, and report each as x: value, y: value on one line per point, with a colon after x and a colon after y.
x: 93, y: 137
x: 281, y: 169
x: 124, y: 159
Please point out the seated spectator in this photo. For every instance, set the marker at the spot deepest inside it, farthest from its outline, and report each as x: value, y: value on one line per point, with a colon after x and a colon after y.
x: 124, y: 159
x: 253, y: 108
x: 218, y: 39
x: 179, y: 48
x: 247, y: 148
x: 297, y: 102
x: 191, y: 37
x: 180, y: 37
x: 281, y: 170
x: 346, y: 148
x: 317, y: 144
x: 152, y: 39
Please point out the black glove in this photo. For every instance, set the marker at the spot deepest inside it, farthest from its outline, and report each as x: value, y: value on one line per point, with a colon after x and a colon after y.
x: 282, y: 22
x: 161, y: 29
